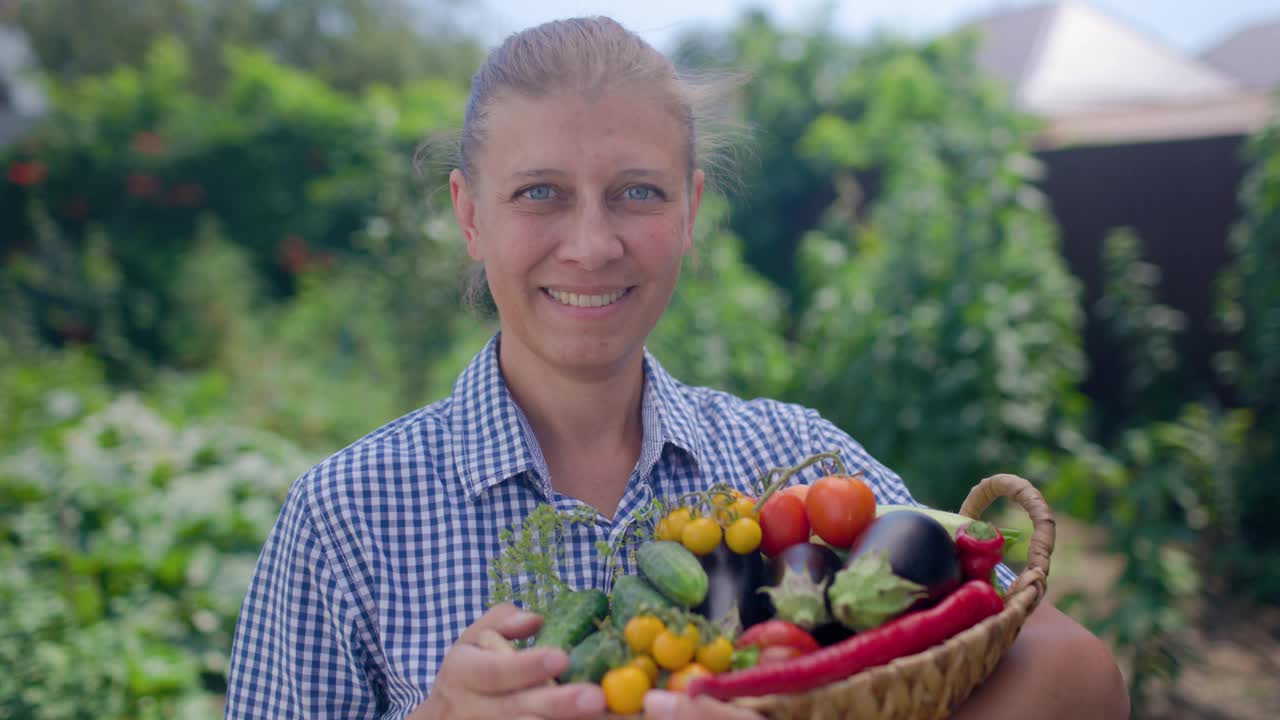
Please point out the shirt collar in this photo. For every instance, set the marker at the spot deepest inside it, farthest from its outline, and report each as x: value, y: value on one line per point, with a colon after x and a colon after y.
x: 488, y: 443
x: 492, y: 443
x: 675, y: 415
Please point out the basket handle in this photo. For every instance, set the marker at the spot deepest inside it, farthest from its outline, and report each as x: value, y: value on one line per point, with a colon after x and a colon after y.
x: 1043, y: 528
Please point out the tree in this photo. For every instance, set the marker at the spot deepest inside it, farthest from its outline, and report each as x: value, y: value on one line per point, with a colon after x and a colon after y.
x: 350, y: 44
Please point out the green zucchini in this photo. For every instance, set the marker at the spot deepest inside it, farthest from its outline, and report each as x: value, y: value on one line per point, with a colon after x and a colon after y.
x: 572, y: 617
x: 674, y: 570
x: 632, y: 594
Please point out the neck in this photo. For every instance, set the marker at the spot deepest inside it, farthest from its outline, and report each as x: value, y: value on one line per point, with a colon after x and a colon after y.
x: 579, y: 418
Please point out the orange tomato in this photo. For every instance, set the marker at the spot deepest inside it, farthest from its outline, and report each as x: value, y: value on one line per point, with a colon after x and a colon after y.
x: 680, y: 679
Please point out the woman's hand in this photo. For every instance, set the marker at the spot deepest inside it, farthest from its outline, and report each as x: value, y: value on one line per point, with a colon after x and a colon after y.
x: 481, y: 679
x: 661, y: 705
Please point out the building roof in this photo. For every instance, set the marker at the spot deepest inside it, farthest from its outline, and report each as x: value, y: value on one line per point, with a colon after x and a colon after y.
x: 1251, y: 56
x: 1096, y: 79
x: 1069, y: 56
x: 22, y: 102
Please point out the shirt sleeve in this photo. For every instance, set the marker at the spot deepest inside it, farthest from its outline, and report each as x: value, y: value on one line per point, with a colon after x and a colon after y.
x: 885, y: 483
x: 296, y: 653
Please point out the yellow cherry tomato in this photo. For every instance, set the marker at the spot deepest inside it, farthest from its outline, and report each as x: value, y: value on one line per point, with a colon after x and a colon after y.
x: 624, y: 689
x: 646, y: 663
x: 691, y: 631
x: 743, y: 536
x: 701, y: 535
x: 680, y: 679
x: 716, y: 655
x: 663, y: 531
x: 640, y: 632
x: 676, y: 522
x: 673, y: 650
x: 744, y: 507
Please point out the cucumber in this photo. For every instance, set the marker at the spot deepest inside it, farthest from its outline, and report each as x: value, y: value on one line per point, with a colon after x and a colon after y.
x: 572, y: 617
x: 674, y: 570
x: 631, y: 594
x: 592, y: 658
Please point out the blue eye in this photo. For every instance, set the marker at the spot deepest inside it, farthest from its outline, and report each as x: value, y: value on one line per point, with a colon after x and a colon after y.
x: 639, y: 192
x: 538, y: 192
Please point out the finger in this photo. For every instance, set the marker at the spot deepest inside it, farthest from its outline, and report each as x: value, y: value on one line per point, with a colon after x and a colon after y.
x: 662, y: 705
x: 574, y: 701
x: 505, y: 618
x: 496, y: 672
x: 493, y: 640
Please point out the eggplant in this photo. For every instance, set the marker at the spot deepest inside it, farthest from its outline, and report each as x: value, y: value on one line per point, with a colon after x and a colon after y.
x: 800, y: 577
x: 733, y: 584
x: 903, y: 561
x: 919, y: 549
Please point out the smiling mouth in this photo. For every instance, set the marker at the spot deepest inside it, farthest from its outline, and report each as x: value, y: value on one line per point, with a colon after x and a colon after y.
x: 586, y: 301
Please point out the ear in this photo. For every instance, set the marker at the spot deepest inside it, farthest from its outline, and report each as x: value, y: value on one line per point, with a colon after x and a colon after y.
x: 695, y: 202
x: 464, y: 209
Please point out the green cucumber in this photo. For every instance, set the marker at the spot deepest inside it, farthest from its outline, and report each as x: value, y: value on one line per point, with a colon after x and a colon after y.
x: 572, y: 617
x: 631, y: 595
x: 592, y: 658
x: 674, y: 570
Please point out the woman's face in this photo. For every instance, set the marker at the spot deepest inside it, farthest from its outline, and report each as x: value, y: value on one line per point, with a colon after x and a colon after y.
x: 581, y: 211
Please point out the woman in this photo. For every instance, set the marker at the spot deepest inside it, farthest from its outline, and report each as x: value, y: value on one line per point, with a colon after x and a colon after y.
x: 578, y: 189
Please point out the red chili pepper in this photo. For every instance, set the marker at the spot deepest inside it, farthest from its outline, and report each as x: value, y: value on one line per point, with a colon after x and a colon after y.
x: 907, y: 635
x: 979, y: 544
x: 777, y: 633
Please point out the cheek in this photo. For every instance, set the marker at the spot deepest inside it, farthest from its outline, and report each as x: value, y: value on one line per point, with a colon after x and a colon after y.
x: 516, y: 243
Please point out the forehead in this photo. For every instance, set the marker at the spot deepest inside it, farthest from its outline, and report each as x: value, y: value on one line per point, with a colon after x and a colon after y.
x: 590, y: 132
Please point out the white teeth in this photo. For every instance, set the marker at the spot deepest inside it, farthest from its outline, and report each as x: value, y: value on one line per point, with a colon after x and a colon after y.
x: 577, y: 300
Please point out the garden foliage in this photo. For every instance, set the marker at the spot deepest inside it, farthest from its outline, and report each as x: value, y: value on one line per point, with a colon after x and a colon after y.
x: 216, y: 272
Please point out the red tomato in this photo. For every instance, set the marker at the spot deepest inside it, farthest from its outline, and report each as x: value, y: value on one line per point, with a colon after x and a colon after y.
x: 776, y: 654
x: 839, y: 508
x: 800, y: 491
x: 782, y: 524
x: 777, y: 634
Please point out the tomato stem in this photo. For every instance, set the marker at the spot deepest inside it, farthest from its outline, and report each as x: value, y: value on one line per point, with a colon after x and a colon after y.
x: 786, y: 473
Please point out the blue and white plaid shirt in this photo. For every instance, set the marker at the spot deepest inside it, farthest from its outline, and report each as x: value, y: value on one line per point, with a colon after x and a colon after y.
x: 378, y: 560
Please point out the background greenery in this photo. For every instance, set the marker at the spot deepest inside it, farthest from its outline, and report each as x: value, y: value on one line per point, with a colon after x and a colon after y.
x: 219, y: 265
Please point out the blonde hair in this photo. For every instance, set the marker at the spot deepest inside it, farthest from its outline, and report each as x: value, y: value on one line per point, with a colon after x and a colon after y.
x: 590, y: 55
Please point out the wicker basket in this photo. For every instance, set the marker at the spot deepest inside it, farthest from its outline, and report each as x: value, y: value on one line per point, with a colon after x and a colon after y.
x: 933, y: 683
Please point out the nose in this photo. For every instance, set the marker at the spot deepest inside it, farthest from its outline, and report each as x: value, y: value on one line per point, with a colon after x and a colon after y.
x: 592, y: 239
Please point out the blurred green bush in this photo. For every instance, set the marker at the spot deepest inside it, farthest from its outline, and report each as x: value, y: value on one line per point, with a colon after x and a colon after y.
x: 127, y: 539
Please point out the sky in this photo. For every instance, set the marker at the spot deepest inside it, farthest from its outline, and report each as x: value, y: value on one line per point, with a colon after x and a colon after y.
x: 1189, y: 25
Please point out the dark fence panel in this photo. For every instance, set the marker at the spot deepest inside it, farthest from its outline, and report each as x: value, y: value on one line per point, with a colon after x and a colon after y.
x: 1181, y: 199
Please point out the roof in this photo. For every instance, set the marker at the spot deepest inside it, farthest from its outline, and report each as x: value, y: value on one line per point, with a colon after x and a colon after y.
x: 22, y: 102
x: 1096, y: 79
x: 1251, y: 56
x: 1068, y: 56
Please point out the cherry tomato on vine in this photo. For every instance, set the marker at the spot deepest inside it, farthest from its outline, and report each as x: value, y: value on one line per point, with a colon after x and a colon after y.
x: 800, y: 491
x: 701, y: 535
x: 680, y: 679
x: 743, y: 535
x: 624, y: 689
x: 839, y: 508
x: 743, y: 507
x: 783, y: 523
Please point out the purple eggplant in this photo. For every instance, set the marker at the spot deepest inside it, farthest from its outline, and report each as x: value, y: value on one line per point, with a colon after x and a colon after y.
x: 903, y: 561
x: 797, y: 593
x: 733, y: 584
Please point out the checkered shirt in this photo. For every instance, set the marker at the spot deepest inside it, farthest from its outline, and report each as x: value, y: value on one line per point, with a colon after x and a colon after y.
x: 378, y: 559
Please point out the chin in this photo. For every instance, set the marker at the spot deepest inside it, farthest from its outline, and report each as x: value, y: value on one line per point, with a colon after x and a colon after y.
x: 586, y: 354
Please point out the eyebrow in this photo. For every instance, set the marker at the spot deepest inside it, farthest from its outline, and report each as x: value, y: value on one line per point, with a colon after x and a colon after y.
x: 551, y: 172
